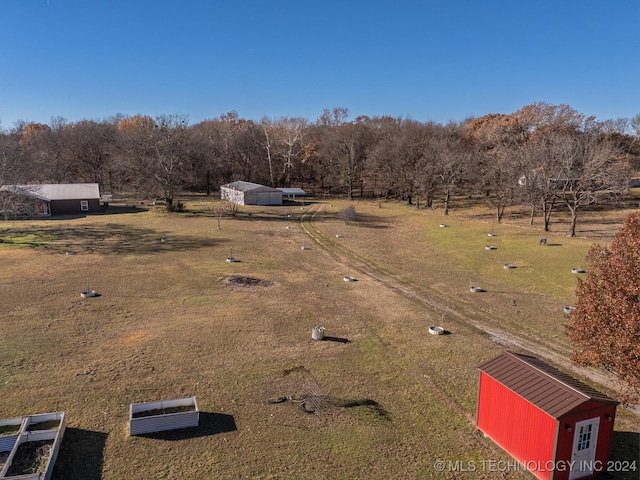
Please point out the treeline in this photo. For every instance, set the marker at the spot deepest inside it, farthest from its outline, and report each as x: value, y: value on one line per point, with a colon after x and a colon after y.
x: 542, y: 155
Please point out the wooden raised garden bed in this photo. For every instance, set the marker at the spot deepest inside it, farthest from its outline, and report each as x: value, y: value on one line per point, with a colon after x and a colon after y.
x: 150, y: 417
x: 35, y: 449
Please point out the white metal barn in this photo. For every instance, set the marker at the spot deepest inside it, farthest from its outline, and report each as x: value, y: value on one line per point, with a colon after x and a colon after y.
x: 247, y: 193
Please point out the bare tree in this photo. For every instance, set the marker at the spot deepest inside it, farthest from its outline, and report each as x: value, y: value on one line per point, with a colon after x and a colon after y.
x: 291, y: 133
x: 589, y: 164
x: 13, y: 170
x: 453, y: 156
x: 160, y: 152
x: 326, y: 153
x: 497, y: 138
x: 222, y: 209
x: 268, y: 129
x: 91, y: 146
x: 391, y: 165
x: 540, y: 168
x: 169, y: 154
x: 348, y: 214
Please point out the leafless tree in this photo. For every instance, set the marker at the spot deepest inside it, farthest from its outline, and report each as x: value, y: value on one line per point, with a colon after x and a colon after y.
x: 291, y: 132
x: 159, y: 150
x: 91, y: 146
x: 268, y: 129
x: 453, y: 156
x: 589, y: 164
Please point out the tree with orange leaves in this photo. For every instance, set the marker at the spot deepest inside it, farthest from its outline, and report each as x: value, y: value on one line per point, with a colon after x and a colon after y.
x: 604, y: 326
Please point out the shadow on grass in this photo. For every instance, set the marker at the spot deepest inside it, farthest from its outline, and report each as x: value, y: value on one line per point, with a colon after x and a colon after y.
x: 111, y: 238
x: 80, y: 456
x: 361, y: 220
x: 120, y: 209
x: 625, y: 452
x: 370, y: 221
x: 444, y: 332
x: 336, y: 339
x: 209, y: 424
x: 367, y: 406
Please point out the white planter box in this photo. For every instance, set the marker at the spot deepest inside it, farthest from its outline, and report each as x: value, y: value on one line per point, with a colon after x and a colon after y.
x: 163, y: 415
x: 8, y: 440
x: 52, y: 435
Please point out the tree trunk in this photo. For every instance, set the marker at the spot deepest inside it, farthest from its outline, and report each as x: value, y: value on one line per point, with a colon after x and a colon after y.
x: 533, y: 213
x: 499, y: 212
x: 546, y: 213
x: 574, y: 220
x: 447, y: 197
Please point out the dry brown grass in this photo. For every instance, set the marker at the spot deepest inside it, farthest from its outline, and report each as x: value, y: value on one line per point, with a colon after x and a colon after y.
x: 394, y: 399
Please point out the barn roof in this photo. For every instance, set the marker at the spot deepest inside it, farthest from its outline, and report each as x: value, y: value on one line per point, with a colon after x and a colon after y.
x: 551, y: 390
x: 243, y: 186
x: 56, y: 191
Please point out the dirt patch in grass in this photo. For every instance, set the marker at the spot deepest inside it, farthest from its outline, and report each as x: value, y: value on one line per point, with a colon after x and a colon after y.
x: 31, y: 457
x: 245, y: 282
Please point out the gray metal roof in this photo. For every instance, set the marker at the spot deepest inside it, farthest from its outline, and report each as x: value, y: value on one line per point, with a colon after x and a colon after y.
x: 56, y: 191
x: 292, y: 191
x: 243, y: 186
x: 551, y: 390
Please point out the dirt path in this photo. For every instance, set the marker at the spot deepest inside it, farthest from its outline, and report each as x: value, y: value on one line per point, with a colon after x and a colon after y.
x: 554, y: 353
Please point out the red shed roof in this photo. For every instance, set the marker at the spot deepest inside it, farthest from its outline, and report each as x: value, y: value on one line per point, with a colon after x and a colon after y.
x: 551, y: 390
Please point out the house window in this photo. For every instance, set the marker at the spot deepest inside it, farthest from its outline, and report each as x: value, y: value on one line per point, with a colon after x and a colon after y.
x: 84, y: 205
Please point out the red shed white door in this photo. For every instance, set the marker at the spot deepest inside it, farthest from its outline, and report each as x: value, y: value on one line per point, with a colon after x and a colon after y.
x: 584, y: 448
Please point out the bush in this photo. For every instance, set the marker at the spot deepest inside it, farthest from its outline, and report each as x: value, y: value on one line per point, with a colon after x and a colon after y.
x: 175, y: 207
x: 348, y: 214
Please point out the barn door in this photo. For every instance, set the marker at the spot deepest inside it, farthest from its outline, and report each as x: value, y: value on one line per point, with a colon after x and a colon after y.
x: 584, y: 448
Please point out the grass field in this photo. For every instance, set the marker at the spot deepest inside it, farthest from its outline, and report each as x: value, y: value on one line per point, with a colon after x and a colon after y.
x: 393, y: 399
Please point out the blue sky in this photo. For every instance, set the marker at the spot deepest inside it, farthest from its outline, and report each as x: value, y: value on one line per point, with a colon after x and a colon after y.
x: 427, y: 60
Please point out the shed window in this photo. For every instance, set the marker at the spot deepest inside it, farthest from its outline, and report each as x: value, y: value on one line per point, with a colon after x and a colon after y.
x: 84, y: 205
x: 584, y: 437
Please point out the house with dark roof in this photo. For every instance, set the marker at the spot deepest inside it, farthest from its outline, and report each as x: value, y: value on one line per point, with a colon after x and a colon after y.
x: 555, y: 426
x: 56, y: 198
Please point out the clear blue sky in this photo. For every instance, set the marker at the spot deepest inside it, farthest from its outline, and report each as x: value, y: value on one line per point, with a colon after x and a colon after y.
x: 429, y: 60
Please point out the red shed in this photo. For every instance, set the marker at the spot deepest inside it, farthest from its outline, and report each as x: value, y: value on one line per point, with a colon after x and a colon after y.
x: 554, y: 425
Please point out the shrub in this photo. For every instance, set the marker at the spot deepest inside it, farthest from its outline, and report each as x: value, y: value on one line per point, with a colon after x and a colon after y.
x: 348, y: 214
x: 175, y: 207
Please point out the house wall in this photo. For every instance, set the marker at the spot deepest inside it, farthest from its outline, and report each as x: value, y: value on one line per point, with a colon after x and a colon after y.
x: 523, y: 430
x: 255, y: 196
x: 66, y: 207
x: 263, y: 198
x: 235, y: 196
x: 589, y: 410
